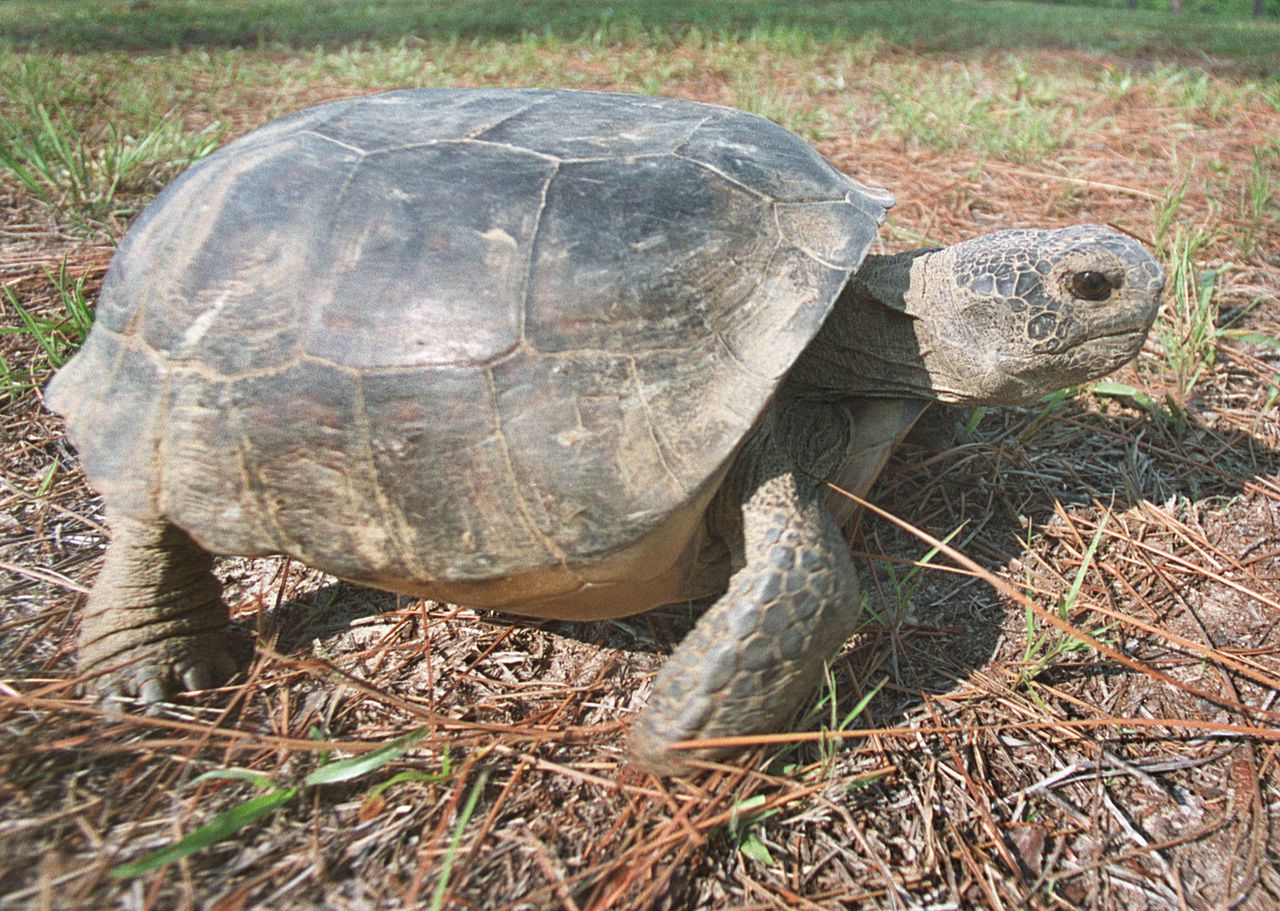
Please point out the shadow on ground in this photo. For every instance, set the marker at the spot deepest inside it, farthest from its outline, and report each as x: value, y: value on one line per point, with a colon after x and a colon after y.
x: 927, y: 631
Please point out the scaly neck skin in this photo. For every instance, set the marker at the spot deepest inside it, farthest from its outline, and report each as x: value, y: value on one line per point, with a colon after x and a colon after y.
x: 869, y: 346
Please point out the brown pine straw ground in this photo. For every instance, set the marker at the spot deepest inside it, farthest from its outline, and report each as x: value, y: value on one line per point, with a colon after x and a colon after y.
x: 1002, y: 764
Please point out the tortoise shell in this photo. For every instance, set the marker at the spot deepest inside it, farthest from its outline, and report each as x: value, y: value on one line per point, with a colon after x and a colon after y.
x: 489, y: 345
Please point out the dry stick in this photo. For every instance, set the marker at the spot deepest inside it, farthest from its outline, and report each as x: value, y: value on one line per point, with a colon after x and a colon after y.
x: 47, y: 576
x: 1255, y: 365
x: 1190, y: 724
x: 1193, y: 539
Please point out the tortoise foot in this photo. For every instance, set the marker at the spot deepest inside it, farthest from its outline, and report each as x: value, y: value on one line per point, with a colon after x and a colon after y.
x: 155, y: 624
x: 156, y: 670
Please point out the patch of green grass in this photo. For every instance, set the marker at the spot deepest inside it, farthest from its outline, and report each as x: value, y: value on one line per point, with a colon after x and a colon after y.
x: 275, y: 795
x: 835, y: 723
x: 1199, y: 96
x: 1021, y: 120
x: 1188, y: 328
x: 1260, y: 199
x: 88, y: 170
x: 1046, y: 646
x: 57, y: 336
x: 85, y: 181
x: 1116, y: 82
x: 960, y: 25
x: 782, y: 106
x: 1165, y: 212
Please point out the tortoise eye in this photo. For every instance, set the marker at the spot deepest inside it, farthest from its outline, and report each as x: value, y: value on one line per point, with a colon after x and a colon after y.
x: 1091, y: 286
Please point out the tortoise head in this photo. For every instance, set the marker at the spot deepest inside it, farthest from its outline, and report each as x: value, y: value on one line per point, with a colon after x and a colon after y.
x: 1010, y: 316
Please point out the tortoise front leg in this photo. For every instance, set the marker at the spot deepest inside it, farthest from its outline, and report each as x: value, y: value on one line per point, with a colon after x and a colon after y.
x: 155, y: 615
x: 758, y: 652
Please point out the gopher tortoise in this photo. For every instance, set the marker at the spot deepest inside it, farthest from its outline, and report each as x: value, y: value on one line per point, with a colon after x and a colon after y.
x: 558, y: 353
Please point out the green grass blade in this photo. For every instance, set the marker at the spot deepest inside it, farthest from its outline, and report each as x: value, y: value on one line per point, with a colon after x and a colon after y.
x: 437, y: 897
x: 257, y: 779
x: 753, y: 848
x: 1122, y: 391
x: 861, y: 705
x: 347, y: 769
x: 1251, y: 338
x: 37, y: 328
x: 407, y: 776
x: 218, y: 829
x: 1085, y: 563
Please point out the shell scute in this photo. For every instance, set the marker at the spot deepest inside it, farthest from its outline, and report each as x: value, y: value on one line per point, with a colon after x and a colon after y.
x: 428, y: 260
x: 652, y: 261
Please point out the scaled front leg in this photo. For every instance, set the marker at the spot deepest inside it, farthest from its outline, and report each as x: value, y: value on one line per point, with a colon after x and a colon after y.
x: 155, y: 615
x: 758, y: 652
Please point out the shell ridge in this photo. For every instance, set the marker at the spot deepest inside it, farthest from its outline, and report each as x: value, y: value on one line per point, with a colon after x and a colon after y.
x: 721, y: 174
x: 737, y: 359
x: 333, y: 139
x: 527, y: 280
x: 512, y: 115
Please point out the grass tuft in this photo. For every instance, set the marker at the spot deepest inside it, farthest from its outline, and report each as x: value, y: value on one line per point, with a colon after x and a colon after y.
x: 90, y: 176
x: 1022, y: 120
x: 57, y: 335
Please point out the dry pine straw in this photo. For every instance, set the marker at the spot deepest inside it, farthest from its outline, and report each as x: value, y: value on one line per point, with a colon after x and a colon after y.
x: 1002, y: 771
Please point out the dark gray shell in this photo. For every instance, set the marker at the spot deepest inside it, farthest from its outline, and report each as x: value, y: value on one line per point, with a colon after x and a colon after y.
x: 458, y: 334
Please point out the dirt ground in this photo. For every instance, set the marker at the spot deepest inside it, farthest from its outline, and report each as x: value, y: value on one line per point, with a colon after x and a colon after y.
x: 998, y: 761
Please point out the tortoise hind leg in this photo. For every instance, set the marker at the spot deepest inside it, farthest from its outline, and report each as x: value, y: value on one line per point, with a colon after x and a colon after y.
x: 154, y: 618
x: 758, y: 652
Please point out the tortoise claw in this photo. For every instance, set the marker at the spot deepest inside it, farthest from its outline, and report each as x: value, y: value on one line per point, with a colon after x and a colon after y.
x: 149, y: 679
x: 199, y: 677
x: 153, y: 692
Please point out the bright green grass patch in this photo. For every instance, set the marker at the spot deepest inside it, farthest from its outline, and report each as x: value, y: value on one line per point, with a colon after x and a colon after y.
x: 1015, y: 117
x: 958, y: 25
x: 94, y: 135
x: 56, y: 142
x: 57, y: 333
x: 1230, y: 9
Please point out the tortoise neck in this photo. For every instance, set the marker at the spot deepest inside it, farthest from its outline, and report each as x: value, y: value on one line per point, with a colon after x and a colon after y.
x: 869, y: 345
